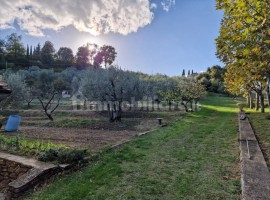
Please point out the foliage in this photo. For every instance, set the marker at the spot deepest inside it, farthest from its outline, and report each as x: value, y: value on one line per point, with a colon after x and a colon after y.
x: 82, y: 57
x: 169, y: 91
x: 16, y: 83
x: 42, y: 84
x: 113, y: 86
x: 44, y: 151
x: 21, y: 146
x: 49, y: 91
x: 94, y: 56
x: 37, y: 52
x: 183, y: 72
x: 2, y: 46
x: 46, y: 86
x: 108, y: 54
x: 63, y: 155
x: 14, y: 46
x: 13, y: 51
x: 243, y: 44
x: 189, y: 91
x: 183, y: 89
x: 65, y: 57
x: 213, y: 79
x: 47, y: 53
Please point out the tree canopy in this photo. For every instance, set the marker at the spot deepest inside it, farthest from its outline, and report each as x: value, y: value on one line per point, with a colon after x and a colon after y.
x: 244, y: 45
x: 14, y: 54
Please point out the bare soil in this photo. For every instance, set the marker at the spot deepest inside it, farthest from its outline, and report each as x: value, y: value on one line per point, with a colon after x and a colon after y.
x: 83, y: 137
x: 94, y: 134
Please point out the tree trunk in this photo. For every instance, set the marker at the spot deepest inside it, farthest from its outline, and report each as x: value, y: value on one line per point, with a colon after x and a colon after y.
x: 110, y: 113
x: 158, y: 108
x: 248, y: 100
x: 196, y: 105
x: 262, y: 103
x: 251, y: 101
x: 185, y: 105
x: 268, y: 96
x: 257, y: 101
x: 46, y: 106
x: 114, y: 114
x: 29, y: 103
x: 49, y: 116
x: 191, y: 105
x: 170, y: 105
x: 119, y: 113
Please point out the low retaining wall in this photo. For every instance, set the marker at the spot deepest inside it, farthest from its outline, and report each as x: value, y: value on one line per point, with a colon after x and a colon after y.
x: 10, y: 171
x: 19, y: 174
x: 255, y: 176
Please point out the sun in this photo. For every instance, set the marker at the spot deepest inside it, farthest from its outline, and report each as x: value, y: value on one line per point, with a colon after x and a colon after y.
x: 84, y: 40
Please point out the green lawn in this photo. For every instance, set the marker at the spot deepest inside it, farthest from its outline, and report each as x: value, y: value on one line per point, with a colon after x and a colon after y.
x: 196, y: 157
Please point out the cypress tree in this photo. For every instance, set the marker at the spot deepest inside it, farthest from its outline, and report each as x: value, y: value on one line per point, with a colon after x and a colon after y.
x: 183, y: 73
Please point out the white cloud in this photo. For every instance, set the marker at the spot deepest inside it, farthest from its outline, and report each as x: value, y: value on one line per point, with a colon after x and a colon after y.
x: 153, y: 6
x: 93, y: 16
x: 167, y: 4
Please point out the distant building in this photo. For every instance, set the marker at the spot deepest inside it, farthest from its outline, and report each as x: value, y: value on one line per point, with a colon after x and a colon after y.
x: 78, y: 101
x: 65, y: 94
x: 194, y: 74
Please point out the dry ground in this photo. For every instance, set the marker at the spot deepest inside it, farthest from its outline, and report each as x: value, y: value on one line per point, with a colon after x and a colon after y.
x: 85, y: 128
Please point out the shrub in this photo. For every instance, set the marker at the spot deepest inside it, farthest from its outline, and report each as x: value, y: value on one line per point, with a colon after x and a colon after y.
x: 63, y: 155
x: 48, y: 155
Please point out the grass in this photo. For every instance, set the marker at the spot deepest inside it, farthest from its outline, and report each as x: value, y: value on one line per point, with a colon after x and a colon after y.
x: 195, y: 157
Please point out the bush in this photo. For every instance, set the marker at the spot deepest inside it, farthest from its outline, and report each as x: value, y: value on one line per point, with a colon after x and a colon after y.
x: 48, y: 155
x: 63, y: 155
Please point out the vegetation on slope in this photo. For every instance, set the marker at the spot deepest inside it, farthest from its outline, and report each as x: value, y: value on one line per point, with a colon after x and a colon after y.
x: 194, y: 158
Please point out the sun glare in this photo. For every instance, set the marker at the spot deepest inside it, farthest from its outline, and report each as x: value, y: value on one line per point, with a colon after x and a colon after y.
x: 89, y: 39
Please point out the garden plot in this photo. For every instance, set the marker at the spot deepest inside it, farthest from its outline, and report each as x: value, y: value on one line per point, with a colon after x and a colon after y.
x: 86, y: 129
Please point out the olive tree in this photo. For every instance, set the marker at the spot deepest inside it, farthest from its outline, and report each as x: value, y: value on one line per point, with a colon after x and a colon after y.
x: 112, y: 86
x: 18, y: 87
x: 46, y: 86
x: 49, y: 90
x: 169, y: 91
x: 190, y: 91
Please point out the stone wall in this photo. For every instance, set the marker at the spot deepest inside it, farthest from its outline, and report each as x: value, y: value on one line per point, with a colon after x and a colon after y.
x: 255, y: 176
x: 20, y: 174
x: 10, y: 171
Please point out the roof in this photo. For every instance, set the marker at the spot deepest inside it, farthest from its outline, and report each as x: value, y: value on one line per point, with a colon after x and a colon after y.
x: 2, y: 84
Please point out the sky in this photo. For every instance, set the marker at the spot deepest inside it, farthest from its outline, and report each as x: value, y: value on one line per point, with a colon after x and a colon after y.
x: 150, y: 36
